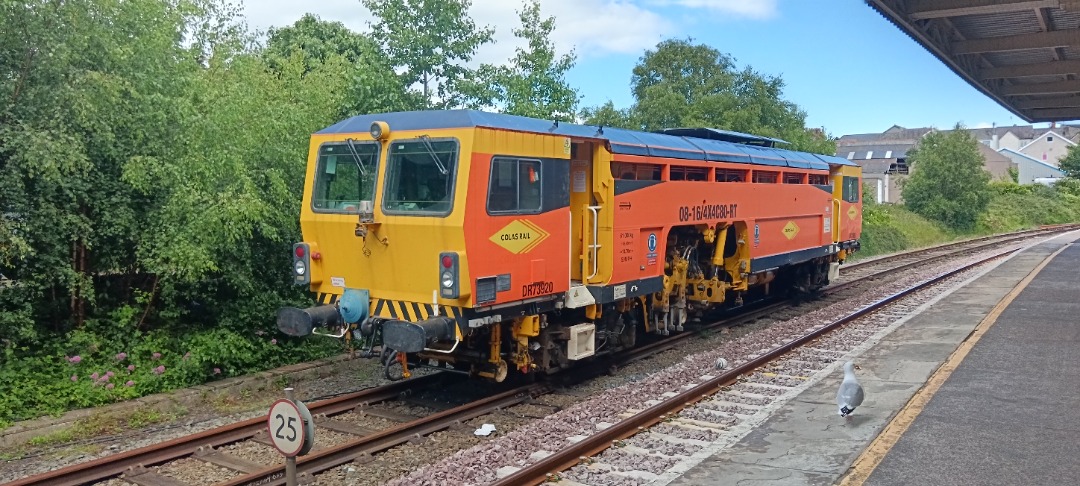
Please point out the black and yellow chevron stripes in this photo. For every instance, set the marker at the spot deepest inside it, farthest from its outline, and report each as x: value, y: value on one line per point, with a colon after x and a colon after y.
x: 398, y: 309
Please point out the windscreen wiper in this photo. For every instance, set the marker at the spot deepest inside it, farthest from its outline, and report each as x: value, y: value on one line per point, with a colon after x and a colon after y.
x: 431, y: 152
x: 356, y: 157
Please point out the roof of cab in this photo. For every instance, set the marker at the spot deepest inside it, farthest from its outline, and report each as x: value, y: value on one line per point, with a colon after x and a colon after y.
x: 622, y: 141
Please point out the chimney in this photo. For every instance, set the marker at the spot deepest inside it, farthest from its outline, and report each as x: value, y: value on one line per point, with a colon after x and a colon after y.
x: 994, y: 138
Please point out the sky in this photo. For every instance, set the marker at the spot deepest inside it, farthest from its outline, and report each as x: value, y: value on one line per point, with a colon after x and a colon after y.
x: 846, y: 66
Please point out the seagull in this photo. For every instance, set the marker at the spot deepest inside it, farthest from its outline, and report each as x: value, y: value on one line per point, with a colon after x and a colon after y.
x: 850, y: 394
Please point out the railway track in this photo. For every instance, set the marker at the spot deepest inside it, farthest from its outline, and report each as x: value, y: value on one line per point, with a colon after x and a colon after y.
x: 136, y: 466
x: 548, y: 468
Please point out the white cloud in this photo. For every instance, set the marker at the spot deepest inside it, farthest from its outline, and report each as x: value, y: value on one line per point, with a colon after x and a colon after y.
x: 754, y: 9
x: 984, y: 125
x: 593, y: 28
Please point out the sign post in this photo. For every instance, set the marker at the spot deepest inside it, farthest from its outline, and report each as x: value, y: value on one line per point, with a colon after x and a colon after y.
x: 292, y: 431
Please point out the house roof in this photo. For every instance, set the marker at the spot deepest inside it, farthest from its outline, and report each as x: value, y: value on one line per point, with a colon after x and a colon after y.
x: 1030, y: 158
x: 621, y: 141
x: 890, y: 151
x: 1048, y: 132
x: 875, y: 166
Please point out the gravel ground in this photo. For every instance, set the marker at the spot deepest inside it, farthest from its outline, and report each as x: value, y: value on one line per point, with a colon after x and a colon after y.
x: 478, y: 464
x: 459, y: 456
x: 25, y: 461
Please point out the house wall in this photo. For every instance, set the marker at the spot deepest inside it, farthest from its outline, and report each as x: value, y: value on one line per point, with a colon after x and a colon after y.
x: 1049, y: 152
x: 997, y: 164
x: 1028, y: 170
x: 1009, y: 141
x: 885, y: 187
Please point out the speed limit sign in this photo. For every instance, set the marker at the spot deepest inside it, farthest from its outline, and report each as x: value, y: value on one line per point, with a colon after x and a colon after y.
x: 291, y: 427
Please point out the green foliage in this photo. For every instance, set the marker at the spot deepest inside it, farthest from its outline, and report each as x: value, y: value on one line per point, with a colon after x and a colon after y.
x: 682, y: 84
x: 890, y: 228
x: 607, y: 115
x: 948, y: 182
x: 1014, y: 207
x: 534, y: 83
x: 1071, y: 163
x: 430, y: 39
x: 372, y: 85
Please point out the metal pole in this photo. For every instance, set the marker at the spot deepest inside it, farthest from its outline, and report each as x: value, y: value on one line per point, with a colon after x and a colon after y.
x: 290, y: 462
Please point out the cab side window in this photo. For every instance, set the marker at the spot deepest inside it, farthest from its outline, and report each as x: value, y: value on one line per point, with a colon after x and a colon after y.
x: 515, y: 186
x: 851, y: 189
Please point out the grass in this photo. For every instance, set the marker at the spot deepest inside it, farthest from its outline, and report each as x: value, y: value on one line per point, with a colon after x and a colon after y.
x: 107, y: 424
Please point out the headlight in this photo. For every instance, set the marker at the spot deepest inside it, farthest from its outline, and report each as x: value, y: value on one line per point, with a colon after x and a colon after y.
x: 447, y: 279
x: 300, y: 268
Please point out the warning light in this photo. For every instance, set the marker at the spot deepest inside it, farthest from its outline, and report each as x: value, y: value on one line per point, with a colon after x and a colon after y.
x: 299, y: 252
x: 447, y: 261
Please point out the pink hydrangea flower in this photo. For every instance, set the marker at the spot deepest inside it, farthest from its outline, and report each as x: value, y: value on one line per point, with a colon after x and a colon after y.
x: 75, y: 359
x: 131, y: 367
x: 74, y: 377
x: 109, y: 386
x: 273, y: 341
x: 129, y: 383
x: 121, y: 356
x: 217, y: 371
x: 157, y: 356
x: 94, y: 376
x: 159, y: 370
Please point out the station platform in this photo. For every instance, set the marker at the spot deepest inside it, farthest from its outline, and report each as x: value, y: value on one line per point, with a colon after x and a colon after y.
x: 981, y: 386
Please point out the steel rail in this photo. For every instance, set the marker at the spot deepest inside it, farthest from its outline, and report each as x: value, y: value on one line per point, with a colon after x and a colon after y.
x: 571, y: 455
x: 386, y: 439
x: 116, y: 464
x: 1003, y: 238
x: 766, y: 307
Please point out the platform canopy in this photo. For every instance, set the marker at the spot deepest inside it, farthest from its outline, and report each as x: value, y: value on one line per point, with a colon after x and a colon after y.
x: 1025, y: 54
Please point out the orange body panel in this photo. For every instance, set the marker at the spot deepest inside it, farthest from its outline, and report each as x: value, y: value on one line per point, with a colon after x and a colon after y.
x: 533, y: 249
x: 801, y: 209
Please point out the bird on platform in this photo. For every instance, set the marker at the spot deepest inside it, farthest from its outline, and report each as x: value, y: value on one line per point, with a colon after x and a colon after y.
x: 850, y: 394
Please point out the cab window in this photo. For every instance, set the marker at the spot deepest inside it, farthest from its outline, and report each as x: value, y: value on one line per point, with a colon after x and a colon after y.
x: 343, y: 179
x: 420, y: 177
x: 515, y: 186
x: 851, y: 189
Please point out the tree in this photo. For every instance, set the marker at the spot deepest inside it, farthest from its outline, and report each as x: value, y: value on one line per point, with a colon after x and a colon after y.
x: 533, y: 84
x: 373, y: 86
x: 429, y: 39
x: 607, y: 115
x: 1071, y: 163
x: 948, y: 182
x: 682, y: 84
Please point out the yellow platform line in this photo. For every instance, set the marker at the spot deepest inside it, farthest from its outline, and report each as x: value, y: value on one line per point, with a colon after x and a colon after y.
x: 873, y: 455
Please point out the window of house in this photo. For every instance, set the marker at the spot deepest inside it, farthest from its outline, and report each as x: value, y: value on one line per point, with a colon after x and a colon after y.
x: 765, y: 176
x: 1050, y: 138
x: 515, y: 186
x: 851, y: 189
x: 343, y: 179
x: 420, y: 177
